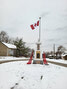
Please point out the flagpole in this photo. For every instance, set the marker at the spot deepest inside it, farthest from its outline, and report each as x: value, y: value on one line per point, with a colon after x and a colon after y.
x: 39, y: 28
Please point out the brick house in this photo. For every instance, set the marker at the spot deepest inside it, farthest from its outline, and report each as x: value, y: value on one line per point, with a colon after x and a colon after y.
x: 7, y: 49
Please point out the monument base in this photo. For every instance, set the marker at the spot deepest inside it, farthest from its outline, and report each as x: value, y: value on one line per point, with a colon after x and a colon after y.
x: 37, y: 61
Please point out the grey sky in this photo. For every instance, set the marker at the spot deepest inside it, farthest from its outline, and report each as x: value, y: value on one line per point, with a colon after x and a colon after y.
x: 16, y: 16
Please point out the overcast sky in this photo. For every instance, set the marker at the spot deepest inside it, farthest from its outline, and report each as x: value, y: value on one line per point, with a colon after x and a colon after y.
x: 16, y: 16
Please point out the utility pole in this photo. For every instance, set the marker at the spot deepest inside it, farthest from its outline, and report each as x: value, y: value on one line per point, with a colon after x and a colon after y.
x: 54, y: 50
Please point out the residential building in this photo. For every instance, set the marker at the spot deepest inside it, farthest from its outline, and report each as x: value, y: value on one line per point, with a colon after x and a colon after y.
x: 7, y: 49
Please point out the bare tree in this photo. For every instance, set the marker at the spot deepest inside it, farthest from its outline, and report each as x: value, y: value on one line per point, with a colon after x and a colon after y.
x: 60, y: 50
x: 4, y: 37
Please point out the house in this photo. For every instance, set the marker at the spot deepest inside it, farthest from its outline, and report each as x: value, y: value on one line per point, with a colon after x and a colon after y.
x: 64, y: 56
x: 7, y: 49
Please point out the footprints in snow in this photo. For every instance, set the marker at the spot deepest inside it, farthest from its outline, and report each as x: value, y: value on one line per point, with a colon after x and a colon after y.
x: 41, y: 77
x: 16, y: 84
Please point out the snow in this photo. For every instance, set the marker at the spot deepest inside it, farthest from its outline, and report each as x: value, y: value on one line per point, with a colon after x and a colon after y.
x: 34, y: 76
x: 6, y: 58
x: 9, y: 45
x: 57, y: 60
x: 64, y: 55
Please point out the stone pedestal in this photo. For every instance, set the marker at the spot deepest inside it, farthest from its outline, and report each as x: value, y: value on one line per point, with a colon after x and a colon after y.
x: 38, y: 55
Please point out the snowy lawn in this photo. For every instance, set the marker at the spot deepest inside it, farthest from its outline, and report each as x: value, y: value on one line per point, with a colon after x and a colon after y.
x: 6, y: 58
x: 57, y: 60
x: 19, y: 75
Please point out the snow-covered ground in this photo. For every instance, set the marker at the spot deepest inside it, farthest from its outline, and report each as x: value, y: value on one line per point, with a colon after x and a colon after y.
x: 58, y: 60
x: 5, y: 58
x: 34, y: 76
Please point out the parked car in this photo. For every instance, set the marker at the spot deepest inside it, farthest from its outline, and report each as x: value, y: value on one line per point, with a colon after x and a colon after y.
x: 51, y: 57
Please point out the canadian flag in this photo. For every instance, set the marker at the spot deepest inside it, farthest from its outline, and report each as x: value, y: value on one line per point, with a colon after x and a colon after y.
x: 34, y: 25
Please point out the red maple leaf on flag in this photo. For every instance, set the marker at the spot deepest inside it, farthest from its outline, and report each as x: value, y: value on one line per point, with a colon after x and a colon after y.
x: 34, y: 25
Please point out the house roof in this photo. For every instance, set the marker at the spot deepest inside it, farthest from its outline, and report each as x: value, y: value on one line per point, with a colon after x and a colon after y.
x: 64, y: 54
x: 9, y: 45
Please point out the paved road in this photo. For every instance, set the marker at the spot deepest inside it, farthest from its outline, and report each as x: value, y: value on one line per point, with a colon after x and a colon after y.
x: 56, y: 63
x: 13, y: 60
